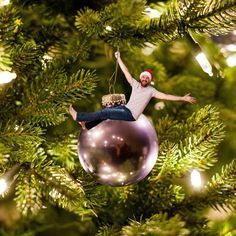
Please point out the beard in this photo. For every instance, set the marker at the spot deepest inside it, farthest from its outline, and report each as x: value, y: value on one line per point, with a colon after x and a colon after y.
x: 144, y: 83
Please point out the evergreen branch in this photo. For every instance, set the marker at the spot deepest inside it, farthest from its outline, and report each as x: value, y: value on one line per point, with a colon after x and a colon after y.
x: 14, y: 134
x: 214, y: 17
x: 221, y: 190
x: 158, y: 224
x: 59, y: 178
x: 151, y: 197
x: 47, y: 99
x: 135, y: 201
x: 64, y: 191
x: 45, y: 115
x: 5, y: 59
x: 26, y: 59
x: 26, y: 63
x: 166, y: 129
x: 175, y: 21
x: 123, y: 12
x: 88, y: 21
x: 106, y: 231
x: 63, y: 151
x: 28, y: 194
x: 110, y: 205
x: 10, y: 24
x: 36, y: 156
x: 115, y: 14
x: 78, y: 206
x: 203, y: 132
x: 126, y: 27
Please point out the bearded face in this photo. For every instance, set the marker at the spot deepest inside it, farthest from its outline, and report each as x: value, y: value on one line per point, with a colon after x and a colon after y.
x: 145, y: 80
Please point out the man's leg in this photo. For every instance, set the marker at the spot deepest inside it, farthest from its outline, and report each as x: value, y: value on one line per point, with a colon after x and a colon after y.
x: 117, y: 113
x: 114, y: 113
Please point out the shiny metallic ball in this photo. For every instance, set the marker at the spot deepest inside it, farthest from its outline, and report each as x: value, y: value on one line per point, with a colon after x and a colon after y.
x: 117, y: 152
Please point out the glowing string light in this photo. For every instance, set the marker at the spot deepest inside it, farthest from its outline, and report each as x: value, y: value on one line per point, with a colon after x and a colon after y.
x: 4, y: 3
x: 204, y: 63
x: 196, y: 179
x: 6, y: 76
x: 108, y: 28
x: 231, y: 60
x: 3, y: 186
x: 152, y: 13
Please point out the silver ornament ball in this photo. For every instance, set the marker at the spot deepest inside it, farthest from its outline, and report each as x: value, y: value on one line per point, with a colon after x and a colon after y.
x: 119, y: 153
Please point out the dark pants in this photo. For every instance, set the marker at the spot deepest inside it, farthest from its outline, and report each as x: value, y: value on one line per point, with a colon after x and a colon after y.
x: 114, y: 113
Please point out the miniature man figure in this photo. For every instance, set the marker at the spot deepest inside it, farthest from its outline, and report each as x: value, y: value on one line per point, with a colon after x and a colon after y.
x: 141, y: 94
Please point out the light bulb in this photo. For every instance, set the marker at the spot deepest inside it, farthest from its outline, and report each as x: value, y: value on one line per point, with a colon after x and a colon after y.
x: 148, y: 50
x: 3, y: 186
x: 6, y: 76
x: 231, y: 60
x: 152, y: 13
x: 8, y: 178
x: 4, y: 3
x: 47, y: 57
x: 204, y: 63
x: 108, y: 28
x: 229, y: 47
x: 196, y: 179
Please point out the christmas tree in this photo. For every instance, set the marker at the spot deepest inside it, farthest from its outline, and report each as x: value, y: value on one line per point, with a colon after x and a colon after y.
x: 57, y: 53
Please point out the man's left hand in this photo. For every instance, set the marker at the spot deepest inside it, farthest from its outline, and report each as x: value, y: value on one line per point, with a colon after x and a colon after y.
x: 188, y: 98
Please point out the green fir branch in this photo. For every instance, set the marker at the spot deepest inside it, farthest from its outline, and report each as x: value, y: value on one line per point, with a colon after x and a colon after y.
x: 113, y: 15
x: 88, y: 21
x: 218, y: 193
x: 63, y: 151
x: 62, y: 190
x: 214, y: 17
x: 47, y: 99
x: 5, y: 59
x: 108, y: 231
x: 47, y: 114
x: 123, y: 12
x: 199, y: 137
x: 159, y: 224
x: 165, y: 128
x: 149, y: 197
x: 34, y: 156
x: 59, y: 178
x: 14, y: 134
x: 10, y: 25
x: 28, y: 194
x: 221, y: 190
x: 27, y: 61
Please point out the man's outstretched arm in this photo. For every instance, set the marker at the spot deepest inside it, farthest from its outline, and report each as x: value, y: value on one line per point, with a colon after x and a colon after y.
x: 185, y: 98
x: 123, y: 68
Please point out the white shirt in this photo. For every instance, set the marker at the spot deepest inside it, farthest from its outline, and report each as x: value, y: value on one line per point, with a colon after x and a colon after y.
x: 139, y: 98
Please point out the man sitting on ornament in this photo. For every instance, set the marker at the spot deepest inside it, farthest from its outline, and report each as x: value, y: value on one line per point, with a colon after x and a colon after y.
x: 141, y: 94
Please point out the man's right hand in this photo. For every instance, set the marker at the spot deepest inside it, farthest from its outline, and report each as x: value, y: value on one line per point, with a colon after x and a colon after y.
x: 117, y: 55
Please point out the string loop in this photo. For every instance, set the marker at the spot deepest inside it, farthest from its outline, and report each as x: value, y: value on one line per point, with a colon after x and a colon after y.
x: 111, y: 83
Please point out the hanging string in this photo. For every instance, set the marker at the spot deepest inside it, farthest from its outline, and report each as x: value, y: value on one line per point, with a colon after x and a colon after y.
x: 112, y: 85
x: 109, y: 82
